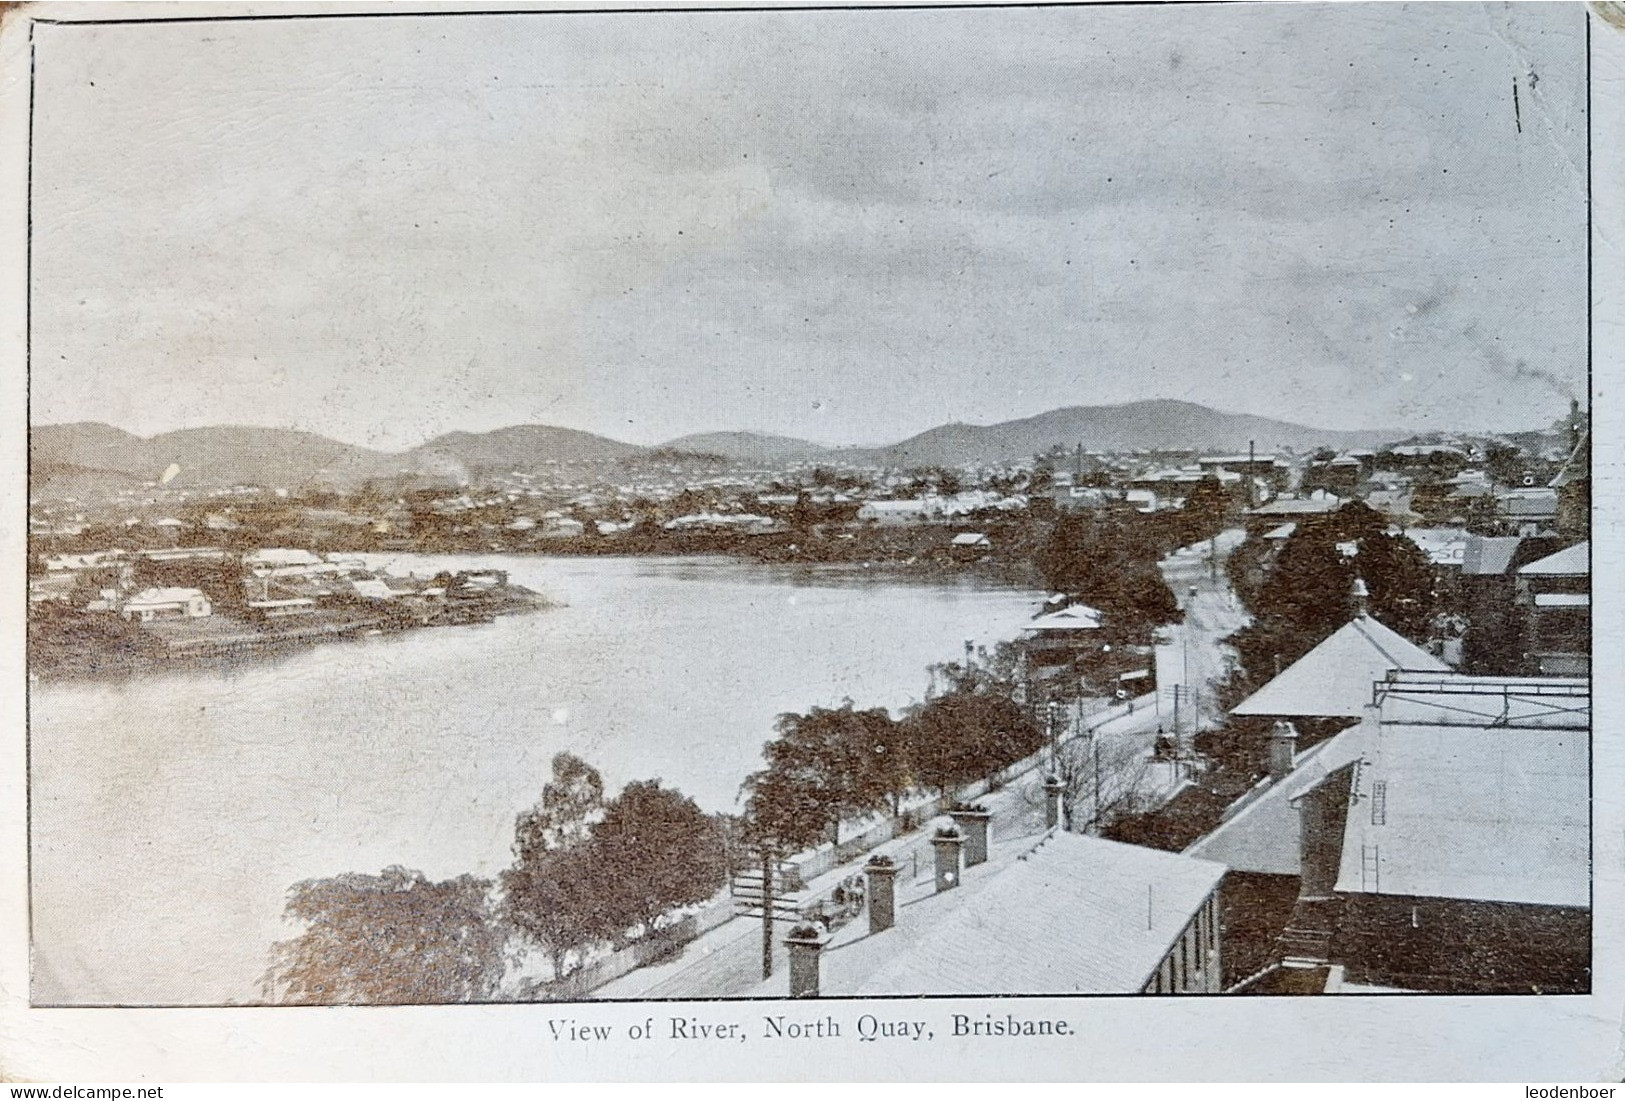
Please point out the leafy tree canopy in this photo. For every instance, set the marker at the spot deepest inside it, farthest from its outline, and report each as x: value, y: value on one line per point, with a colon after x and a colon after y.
x: 389, y: 939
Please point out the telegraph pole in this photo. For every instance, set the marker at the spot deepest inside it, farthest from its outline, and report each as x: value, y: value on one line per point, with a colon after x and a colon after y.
x: 767, y: 915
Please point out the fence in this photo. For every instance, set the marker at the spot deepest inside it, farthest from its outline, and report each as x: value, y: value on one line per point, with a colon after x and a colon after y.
x: 663, y: 942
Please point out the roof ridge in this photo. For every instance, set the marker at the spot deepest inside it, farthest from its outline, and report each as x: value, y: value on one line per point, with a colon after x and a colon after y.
x: 1372, y: 638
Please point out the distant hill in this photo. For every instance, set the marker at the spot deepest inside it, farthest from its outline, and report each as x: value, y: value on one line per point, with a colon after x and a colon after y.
x: 221, y: 455
x: 230, y: 454
x: 522, y: 447
x: 749, y: 447
x: 1140, y: 425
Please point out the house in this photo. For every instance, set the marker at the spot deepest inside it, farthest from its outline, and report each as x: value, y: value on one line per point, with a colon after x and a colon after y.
x: 53, y: 588
x: 1290, y: 509
x: 1488, y: 591
x: 282, y: 562
x: 1554, y: 602
x: 914, y: 510
x: 171, y: 603
x: 1446, y: 548
x: 560, y: 527
x: 1076, y: 498
x: 1071, y: 914
x: 1528, y: 510
x: 1063, y: 634
x: 1442, y: 844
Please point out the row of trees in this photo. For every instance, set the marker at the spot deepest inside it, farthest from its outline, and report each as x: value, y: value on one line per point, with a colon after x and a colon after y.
x: 587, y: 871
x: 832, y: 764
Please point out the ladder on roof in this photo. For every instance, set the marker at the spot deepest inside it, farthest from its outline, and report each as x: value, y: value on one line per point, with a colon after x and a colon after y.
x: 1370, y: 869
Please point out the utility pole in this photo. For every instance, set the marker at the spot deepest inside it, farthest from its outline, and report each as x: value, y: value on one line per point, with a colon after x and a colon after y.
x: 767, y: 914
x: 1094, y: 746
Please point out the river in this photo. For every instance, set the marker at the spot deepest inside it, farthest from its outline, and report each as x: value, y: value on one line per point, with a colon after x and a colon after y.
x: 171, y: 811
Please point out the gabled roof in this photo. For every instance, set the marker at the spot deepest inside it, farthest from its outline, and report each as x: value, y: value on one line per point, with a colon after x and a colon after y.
x: 164, y: 596
x: 1335, y: 678
x: 1490, y: 813
x: 1489, y: 555
x: 1572, y: 561
x: 1261, y: 832
x: 1077, y: 617
x: 1076, y: 915
x: 1297, y: 506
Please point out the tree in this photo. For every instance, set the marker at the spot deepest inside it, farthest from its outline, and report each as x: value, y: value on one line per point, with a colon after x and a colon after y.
x: 1111, y: 565
x: 963, y: 736
x: 654, y: 851
x: 782, y: 815
x: 841, y: 762
x: 569, y: 802
x: 1206, y: 507
x: 1100, y: 780
x: 552, y: 896
x: 1401, y: 581
x: 389, y: 939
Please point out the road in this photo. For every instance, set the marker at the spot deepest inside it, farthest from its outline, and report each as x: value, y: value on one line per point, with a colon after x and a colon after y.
x: 1193, y: 656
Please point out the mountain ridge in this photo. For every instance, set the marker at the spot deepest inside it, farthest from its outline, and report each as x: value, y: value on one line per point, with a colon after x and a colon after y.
x: 228, y: 454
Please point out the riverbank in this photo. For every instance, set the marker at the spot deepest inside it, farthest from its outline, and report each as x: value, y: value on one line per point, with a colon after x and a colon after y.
x: 66, y: 644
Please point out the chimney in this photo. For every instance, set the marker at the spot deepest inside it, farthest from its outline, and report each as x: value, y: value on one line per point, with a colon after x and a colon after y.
x: 1283, y: 748
x: 1362, y: 597
x: 805, y: 943
x: 1053, y: 789
x: 882, y: 875
x: 948, y: 842
x: 972, y: 821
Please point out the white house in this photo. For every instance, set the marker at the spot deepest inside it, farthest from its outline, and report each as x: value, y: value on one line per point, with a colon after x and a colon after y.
x: 174, y: 603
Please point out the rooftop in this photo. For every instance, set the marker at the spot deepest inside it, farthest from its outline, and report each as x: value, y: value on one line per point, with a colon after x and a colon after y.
x: 1572, y: 561
x: 1489, y: 555
x: 1073, y: 915
x: 1336, y: 677
x: 1488, y: 813
x: 1260, y: 833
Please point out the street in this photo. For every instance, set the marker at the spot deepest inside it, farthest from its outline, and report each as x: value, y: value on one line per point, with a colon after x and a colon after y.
x: 1192, y: 658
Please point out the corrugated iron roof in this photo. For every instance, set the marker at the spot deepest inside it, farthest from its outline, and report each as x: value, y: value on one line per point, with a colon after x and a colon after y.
x: 1489, y: 555
x: 1498, y: 814
x: 1336, y: 677
x: 1572, y: 561
x: 1263, y: 834
x: 1077, y: 915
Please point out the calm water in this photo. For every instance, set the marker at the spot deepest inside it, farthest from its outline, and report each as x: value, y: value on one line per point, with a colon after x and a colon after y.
x: 171, y: 812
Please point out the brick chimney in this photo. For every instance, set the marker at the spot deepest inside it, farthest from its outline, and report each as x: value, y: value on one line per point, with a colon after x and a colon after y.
x: 1283, y: 749
x: 948, y: 843
x: 1053, y: 790
x: 972, y: 822
x: 804, y: 944
x: 882, y: 875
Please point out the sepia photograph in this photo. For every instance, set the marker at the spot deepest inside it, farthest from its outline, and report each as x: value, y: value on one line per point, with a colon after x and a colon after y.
x: 764, y: 504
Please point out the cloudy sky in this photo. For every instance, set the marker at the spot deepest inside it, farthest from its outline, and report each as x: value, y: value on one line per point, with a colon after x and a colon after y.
x: 846, y: 226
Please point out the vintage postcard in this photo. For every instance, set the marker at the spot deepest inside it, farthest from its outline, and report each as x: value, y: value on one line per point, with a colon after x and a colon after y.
x: 856, y: 541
